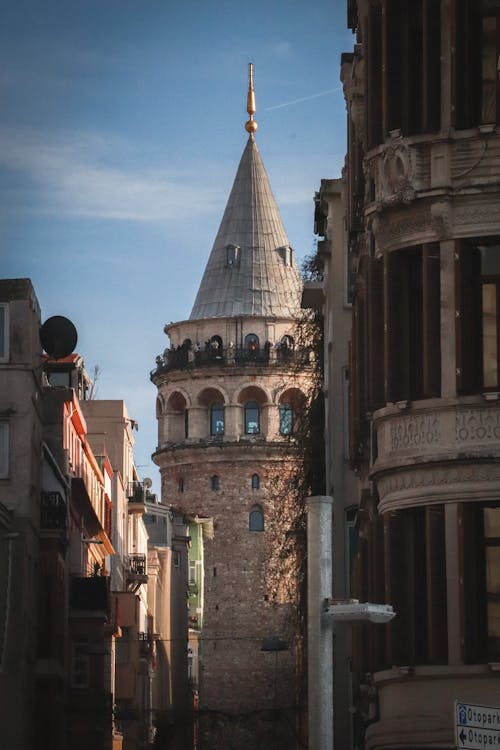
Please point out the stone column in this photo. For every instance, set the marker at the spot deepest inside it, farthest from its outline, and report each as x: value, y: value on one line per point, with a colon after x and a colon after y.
x: 198, y: 426
x: 233, y: 421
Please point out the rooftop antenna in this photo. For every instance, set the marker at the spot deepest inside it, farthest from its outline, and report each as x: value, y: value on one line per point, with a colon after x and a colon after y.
x: 251, y: 126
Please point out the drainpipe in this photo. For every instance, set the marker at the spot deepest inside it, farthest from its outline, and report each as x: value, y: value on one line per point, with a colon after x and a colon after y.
x: 319, y: 635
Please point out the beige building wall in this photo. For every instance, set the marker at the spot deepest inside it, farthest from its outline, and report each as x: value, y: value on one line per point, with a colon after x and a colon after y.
x: 20, y: 483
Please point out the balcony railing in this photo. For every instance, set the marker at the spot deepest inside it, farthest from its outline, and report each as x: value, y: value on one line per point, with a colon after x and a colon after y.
x: 53, y: 511
x: 183, y: 358
x: 145, y: 644
x: 138, y: 493
x: 137, y: 565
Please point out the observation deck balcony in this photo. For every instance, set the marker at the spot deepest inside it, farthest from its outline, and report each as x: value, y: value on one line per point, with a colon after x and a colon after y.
x: 185, y: 359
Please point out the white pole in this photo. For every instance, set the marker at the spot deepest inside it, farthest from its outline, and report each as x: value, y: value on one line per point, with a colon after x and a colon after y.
x: 319, y: 635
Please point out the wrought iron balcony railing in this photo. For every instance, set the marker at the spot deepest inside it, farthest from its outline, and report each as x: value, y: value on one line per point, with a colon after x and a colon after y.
x: 137, y: 565
x: 145, y: 644
x: 53, y: 511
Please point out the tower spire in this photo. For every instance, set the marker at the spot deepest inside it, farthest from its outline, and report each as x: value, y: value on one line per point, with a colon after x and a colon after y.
x: 251, y: 126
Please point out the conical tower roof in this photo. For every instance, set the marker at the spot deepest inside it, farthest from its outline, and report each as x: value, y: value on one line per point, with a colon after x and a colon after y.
x: 251, y: 269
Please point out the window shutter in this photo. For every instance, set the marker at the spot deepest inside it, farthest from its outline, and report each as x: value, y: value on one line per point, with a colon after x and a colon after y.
x: 400, y: 628
x: 431, y: 316
x: 467, y: 68
x: 437, y: 638
x: 376, y: 336
x: 397, y: 321
x: 468, y: 316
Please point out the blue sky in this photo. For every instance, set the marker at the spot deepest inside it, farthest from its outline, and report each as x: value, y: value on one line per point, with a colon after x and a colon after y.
x: 121, y: 128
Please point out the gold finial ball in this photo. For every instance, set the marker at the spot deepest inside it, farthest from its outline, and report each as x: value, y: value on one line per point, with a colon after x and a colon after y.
x: 251, y: 126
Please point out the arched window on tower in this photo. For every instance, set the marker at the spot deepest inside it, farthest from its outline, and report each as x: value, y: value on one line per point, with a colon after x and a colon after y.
x: 215, y: 347
x: 252, y: 343
x: 215, y: 483
x: 252, y: 418
x: 286, y: 419
x: 255, y: 482
x: 256, y: 519
x: 217, y: 419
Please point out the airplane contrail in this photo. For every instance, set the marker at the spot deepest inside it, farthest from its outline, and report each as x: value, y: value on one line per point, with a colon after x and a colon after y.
x: 302, y: 99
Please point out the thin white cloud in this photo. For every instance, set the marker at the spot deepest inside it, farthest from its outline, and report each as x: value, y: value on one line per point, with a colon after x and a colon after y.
x: 281, y: 49
x: 69, y: 176
x: 302, y: 99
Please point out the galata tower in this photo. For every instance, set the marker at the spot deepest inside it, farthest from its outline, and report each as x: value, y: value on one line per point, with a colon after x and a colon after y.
x: 231, y: 390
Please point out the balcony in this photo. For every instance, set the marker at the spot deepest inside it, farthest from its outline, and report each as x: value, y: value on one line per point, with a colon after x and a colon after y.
x: 136, y: 572
x: 186, y: 359
x: 138, y: 495
x: 145, y: 645
x: 90, y: 596
x: 431, y: 169
x: 437, y: 450
x: 53, y: 511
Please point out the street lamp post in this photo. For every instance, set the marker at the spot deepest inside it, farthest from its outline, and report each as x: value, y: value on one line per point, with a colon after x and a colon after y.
x: 322, y: 611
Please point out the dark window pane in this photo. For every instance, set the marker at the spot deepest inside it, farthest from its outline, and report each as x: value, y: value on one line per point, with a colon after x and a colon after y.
x: 252, y: 418
x: 217, y: 419
x: 286, y: 419
x: 256, y: 520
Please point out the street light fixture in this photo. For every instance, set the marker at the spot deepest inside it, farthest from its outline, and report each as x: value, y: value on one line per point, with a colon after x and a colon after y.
x: 352, y: 610
x: 91, y: 541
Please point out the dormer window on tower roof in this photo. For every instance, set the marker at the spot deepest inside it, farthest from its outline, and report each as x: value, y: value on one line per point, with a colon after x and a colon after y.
x: 233, y: 255
x: 286, y: 253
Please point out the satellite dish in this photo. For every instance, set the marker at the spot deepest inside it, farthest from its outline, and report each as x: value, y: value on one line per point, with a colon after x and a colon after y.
x: 58, y: 337
x: 147, y: 482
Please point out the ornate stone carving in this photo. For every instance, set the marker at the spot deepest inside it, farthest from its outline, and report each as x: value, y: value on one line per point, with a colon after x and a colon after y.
x: 442, y: 220
x: 397, y: 175
x: 399, y: 232
x: 416, y: 431
x: 413, y: 486
x: 477, y: 425
x: 487, y: 212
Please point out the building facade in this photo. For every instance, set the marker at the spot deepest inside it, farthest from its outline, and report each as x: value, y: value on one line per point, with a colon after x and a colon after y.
x: 78, y: 618
x: 231, y: 388
x: 423, y: 222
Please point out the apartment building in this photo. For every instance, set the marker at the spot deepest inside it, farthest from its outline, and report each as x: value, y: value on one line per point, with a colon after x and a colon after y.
x: 423, y: 227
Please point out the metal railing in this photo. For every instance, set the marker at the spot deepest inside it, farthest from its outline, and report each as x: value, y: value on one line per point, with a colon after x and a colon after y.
x: 137, y: 565
x: 53, y: 511
x: 182, y: 358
